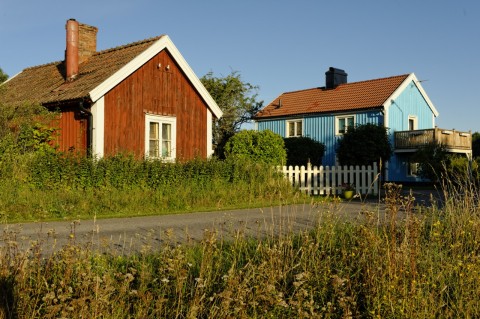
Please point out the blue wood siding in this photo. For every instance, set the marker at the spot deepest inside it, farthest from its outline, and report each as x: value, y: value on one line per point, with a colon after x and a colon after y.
x: 277, y: 126
x: 321, y: 127
x: 398, y: 168
x: 409, y: 103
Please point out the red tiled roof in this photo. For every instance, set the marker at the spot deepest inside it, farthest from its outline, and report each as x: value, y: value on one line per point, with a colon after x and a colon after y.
x: 46, y: 83
x: 345, y: 97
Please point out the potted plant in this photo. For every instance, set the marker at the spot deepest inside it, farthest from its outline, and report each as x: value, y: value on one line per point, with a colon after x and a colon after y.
x: 348, y: 190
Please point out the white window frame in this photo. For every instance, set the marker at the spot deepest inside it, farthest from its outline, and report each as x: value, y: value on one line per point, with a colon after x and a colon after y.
x: 150, y: 118
x: 415, y: 122
x: 345, y: 117
x: 296, y: 121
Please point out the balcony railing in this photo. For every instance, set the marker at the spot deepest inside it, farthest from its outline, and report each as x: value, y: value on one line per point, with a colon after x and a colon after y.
x: 455, y: 141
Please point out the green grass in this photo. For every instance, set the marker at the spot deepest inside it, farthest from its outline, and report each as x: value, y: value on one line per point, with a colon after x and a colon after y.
x: 54, y: 187
x: 411, y: 265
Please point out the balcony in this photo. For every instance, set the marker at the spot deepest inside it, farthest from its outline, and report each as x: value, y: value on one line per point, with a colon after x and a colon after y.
x: 454, y: 141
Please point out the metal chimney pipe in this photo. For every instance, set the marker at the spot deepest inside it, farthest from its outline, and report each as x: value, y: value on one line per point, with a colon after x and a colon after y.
x: 71, y: 53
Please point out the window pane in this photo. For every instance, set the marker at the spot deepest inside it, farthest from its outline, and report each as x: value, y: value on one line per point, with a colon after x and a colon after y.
x: 153, y: 148
x: 153, y: 130
x: 166, y: 139
x: 411, y: 124
x: 299, y: 128
x: 350, y: 122
x: 291, y: 129
x: 341, y: 125
x: 166, y: 132
x: 166, y: 148
x: 412, y: 169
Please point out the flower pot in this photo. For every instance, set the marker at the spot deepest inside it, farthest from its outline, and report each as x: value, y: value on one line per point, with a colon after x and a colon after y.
x: 348, y: 194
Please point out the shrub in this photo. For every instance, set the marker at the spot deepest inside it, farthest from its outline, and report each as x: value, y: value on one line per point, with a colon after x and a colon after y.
x: 476, y: 144
x: 301, y: 150
x: 433, y: 160
x: 258, y: 146
x: 364, y: 145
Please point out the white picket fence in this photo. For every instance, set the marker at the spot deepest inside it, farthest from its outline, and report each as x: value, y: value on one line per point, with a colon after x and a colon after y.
x: 326, y: 180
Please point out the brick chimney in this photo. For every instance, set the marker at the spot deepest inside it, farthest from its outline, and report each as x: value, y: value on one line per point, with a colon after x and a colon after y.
x: 334, y: 77
x: 81, y: 44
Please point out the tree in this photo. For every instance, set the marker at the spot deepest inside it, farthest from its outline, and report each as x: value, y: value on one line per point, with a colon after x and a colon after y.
x: 364, y: 145
x: 301, y: 150
x: 433, y: 160
x: 259, y: 146
x: 3, y: 76
x: 476, y: 144
x: 238, y: 102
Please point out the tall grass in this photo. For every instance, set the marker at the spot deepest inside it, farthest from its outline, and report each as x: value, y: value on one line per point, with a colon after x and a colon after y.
x: 413, y: 262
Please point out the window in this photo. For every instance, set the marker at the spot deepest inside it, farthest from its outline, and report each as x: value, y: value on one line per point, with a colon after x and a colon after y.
x: 160, y: 133
x: 412, y: 123
x: 343, y: 123
x: 295, y: 128
x: 412, y: 169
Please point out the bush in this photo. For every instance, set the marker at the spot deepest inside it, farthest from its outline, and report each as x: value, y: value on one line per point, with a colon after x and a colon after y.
x: 259, y: 146
x: 433, y: 160
x: 301, y: 150
x: 364, y: 145
x: 476, y: 144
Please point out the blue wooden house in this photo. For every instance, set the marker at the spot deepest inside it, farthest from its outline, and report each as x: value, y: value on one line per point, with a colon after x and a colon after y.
x: 398, y: 103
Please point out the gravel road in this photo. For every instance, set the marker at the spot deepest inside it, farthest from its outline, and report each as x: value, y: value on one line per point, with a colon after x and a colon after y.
x: 130, y: 235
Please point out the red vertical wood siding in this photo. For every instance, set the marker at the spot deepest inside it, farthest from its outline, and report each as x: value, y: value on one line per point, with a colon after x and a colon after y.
x: 155, y: 89
x: 72, y: 129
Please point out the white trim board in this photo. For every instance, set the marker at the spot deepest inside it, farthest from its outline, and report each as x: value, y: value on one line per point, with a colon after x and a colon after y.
x: 98, y: 127
x: 411, y: 78
x: 209, y: 134
x: 163, y: 43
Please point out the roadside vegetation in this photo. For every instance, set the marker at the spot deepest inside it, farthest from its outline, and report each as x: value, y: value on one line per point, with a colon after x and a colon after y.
x: 412, y: 262
x: 46, y: 185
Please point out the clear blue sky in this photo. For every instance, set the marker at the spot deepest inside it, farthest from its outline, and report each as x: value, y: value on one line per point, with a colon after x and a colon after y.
x: 278, y: 45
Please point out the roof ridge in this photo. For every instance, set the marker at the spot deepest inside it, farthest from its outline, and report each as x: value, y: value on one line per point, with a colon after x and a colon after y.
x: 128, y: 45
x: 120, y: 47
x: 378, y: 79
x: 42, y: 65
x: 349, y: 83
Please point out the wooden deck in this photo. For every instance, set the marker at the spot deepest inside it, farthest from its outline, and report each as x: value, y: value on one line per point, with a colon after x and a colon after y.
x: 454, y: 141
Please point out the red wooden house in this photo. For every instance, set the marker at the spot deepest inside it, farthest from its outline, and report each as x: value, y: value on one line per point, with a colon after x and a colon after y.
x: 141, y: 98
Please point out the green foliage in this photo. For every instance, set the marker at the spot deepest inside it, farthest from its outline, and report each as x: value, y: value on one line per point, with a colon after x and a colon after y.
x: 421, y: 263
x: 36, y: 137
x: 301, y: 150
x: 258, y: 146
x: 476, y: 144
x: 3, y: 76
x: 50, y: 185
x: 28, y: 127
x: 238, y: 101
x: 364, y: 145
x: 432, y: 159
x: 458, y: 168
